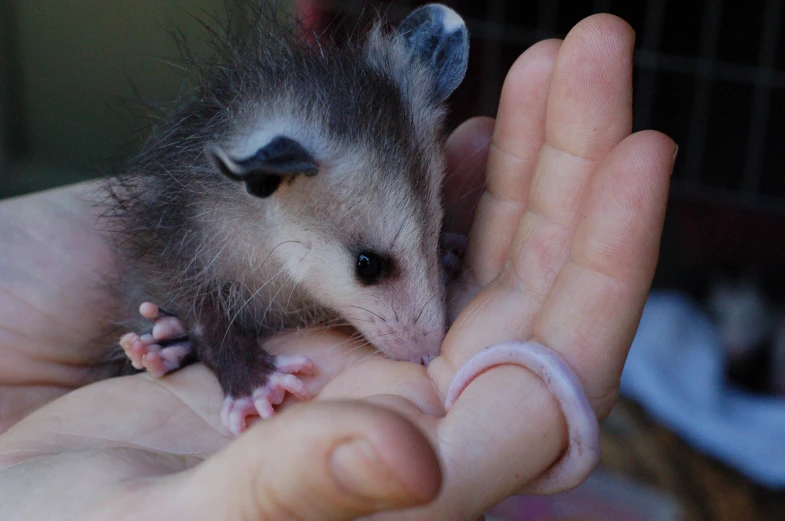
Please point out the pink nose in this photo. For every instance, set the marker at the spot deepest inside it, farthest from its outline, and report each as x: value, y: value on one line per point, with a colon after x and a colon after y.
x: 433, y: 343
x: 427, y: 359
x: 429, y: 347
x: 420, y: 349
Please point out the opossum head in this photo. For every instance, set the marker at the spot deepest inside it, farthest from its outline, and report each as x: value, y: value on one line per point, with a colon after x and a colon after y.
x: 341, y: 159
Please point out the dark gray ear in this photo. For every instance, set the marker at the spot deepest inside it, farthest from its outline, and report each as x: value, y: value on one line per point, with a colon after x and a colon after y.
x: 437, y: 36
x: 263, y: 172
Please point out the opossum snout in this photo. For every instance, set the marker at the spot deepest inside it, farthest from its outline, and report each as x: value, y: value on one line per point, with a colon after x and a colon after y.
x: 409, y: 342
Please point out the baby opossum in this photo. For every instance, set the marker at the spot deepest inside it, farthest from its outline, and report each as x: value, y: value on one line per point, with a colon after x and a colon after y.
x: 300, y: 184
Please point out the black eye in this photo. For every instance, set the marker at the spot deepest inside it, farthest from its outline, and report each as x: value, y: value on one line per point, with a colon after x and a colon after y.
x: 262, y: 186
x: 370, y: 267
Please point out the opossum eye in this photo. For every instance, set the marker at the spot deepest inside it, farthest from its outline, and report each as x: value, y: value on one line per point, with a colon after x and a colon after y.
x: 263, y: 172
x: 262, y: 186
x: 370, y: 267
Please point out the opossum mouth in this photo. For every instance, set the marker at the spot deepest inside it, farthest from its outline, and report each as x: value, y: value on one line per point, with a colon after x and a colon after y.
x: 415, y: 356
x: 420, y: 349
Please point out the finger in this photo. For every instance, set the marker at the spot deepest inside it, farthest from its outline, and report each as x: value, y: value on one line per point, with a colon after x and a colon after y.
x: 467, y: 153
x: 492, y: 413
x: 595, y: 304
x: 589, y: 113
x: 518, y: 137
x: 374, y: 377
x: 327, y: 460
x: 593, y: 309
x: 590, y: 84
x: 590, y: 320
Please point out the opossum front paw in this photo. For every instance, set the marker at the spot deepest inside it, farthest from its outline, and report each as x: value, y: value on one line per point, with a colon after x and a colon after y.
x: 261, y: 401
x: 161, y: 351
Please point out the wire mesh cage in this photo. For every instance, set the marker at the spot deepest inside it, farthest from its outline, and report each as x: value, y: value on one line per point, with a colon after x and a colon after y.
x: 709, y: 73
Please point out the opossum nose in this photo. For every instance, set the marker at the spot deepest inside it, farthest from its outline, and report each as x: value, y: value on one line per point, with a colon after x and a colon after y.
x: 427, y: 359
x: 408, y: 344
x: 431, y: 344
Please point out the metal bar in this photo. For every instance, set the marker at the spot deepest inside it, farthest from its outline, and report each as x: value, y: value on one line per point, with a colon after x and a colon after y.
x: 646, y: 86
x: 492, y: 62
x: 546, y: 18
x: 701, y: 104
x: 644, y: 58
x: 761, y: 100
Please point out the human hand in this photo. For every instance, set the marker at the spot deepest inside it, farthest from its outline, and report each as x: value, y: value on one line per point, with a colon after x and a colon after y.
x: 562, y: 251
x: 52, y: 294
x: 608, y: 217
x: 53, y: 300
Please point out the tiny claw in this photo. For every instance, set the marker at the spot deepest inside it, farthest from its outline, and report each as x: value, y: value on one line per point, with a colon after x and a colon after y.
x: 262, y: 400
x: 162, y: 350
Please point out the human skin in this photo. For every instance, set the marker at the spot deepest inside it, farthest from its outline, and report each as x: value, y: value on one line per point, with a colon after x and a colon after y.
x: 562, y: 250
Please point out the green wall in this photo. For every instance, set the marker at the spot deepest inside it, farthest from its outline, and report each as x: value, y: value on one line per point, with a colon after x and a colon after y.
x: 80, y: 61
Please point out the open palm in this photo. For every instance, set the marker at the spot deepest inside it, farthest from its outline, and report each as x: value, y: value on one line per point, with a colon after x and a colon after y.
x: 562, y: 249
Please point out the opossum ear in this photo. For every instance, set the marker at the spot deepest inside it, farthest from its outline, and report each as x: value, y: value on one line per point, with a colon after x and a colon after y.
x: 438, y: 37
x: 263, y: 172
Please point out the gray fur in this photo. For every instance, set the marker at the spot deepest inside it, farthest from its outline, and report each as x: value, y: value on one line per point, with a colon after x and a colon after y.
x: 438, y: 38
x: 237, y: 268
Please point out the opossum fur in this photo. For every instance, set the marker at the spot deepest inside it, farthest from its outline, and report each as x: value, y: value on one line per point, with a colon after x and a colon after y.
x: 343, y: 147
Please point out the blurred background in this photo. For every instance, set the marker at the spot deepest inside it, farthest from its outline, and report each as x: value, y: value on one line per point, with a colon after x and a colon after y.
x: 709, y: 73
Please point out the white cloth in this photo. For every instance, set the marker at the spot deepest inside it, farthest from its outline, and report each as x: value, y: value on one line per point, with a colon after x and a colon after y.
x: 675, y: 370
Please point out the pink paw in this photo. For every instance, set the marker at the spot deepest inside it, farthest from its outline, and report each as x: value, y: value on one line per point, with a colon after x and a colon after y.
x: 262, y: 400
x: 161, y: 351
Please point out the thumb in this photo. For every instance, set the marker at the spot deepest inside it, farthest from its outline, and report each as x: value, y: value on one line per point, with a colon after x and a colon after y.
x: 325, y: 460
x: 321, y: 460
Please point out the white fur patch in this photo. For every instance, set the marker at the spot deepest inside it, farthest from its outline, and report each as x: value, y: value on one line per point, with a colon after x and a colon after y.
x: 452, y: 21
x: 247, y: 143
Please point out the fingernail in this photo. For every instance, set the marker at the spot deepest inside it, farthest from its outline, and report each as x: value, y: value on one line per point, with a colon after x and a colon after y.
x: 358, y: 469
x: 675, y: 152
